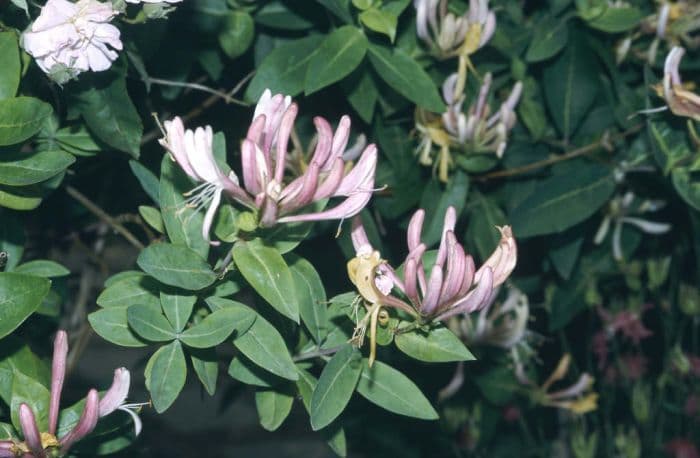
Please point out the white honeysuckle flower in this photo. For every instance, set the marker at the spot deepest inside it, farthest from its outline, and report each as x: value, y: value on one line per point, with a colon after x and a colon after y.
x: 152, y: 1
x: 69, y: 38
x: 618, y: 214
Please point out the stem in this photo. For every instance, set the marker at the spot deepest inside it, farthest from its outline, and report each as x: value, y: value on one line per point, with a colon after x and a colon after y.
x: 197, y: 87
x: 101, y: 214
x: 602, y: 142
x: 317, y: 353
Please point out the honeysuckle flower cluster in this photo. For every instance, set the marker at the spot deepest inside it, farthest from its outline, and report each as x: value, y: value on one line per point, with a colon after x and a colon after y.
x: 680, y: 101
x: 42, y: 444
x: 264, y: 154
x: 618, y: 214
x: 69, y: 38
x: 577, y: 398
x: 448, y: 35
x: 478, y: 131
x: 454, y: 286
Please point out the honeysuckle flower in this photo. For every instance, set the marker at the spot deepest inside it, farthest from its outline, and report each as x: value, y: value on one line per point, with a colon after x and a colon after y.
x: 680, y: 447
x: 680, y: 101
x: 448, y: 35
x: 454, y: 286
x: 152, y: 1
x: 264, y: 154
x: 618, y: 213
x: 576, y: 398
x: 501, y: 324
x: 478, y: 131
x: 69, y: 38
x: 43, y: 444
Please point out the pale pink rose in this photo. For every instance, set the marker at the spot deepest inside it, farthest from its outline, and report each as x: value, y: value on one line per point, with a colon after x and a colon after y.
x: 69, y: 38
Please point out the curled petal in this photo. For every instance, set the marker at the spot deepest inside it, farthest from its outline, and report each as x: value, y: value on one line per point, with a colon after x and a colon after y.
x: 360, y: 241
x: 502, y: 261
x: 209, y: 216
x: 254, y: 167
x: 415, y: 226
x: 305, y: 193
x: 361, y: 177
x: 86, y: 423
x: 577, y: 389
x: 650, y: 227
x: 455, y: 269
x: 469, y: 272
x: 30, y: 431
x: 325, y: 138
x: 340, y: 138
x: 410, y: 277
x: 174, y: 143
x: 473, y: 301
x: 116, y: 395
x: 432, y: 293
x: 448, y: 226
x: 285, y: 131
x: 58, y: 374
x: 332, y: 180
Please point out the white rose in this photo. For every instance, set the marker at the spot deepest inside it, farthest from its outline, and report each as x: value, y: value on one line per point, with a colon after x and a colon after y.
x: 69, y: 38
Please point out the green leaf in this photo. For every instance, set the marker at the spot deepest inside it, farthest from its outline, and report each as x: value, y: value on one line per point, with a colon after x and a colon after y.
x: 274, y: 406
x: 176, y: 265
x: 484, y: 216
x: 112, y: 325
x: 380, y: 21
x: 277, y: 15
x: 245, y: 371
x: 20, y: 118
x: 22, y: 169
x: 152, y: 217
x: 236, y: 33
x: 390, y: 389
x: 438, y: 346
x: 10, y: 69
x: 283, y: 70
x: 670, y: 145
x: 149, y: 322
x: 435, y: 201
x: 22, y: 4
x: 25, y: 198
x: 335, y: 386
x: 42, y: 268
x: 563, y: 201
x: 362, y: 93
x: 177, y: 308
x: 341, y: 8
x: 134, y: 289
x: 339, y: 54
x: 110, y: 114
x: 218, y: 326
x: 147, y: 179
x: 498, y: 385
x: 311, y: 297
x: 264, y: 346
x: 403, y: 74
x: 570, y: 86
x: 20, y: 296
x: 617, y: 19
x: 206, y: 366
x: 687, y: 185
x: 26, y: 390
x: 264, y: 268
x: 167, y: 376
x: 17, y: 357
x: 551, y: 35
x: 182, y: 223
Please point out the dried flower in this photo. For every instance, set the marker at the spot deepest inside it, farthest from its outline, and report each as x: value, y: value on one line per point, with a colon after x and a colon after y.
x: 577, y: 398
x: 618, y: 213
x: 681, y: 101
x: 448, y: 35
x: 42, y: 444
x: 264, y: 156
x: 69, y: 38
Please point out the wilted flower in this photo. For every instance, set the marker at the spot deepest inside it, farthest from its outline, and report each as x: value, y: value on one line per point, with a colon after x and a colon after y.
x: 453, y: 287
x: 69, y: 38
x: 680, y: 101
x: 577, y: 398
x: 448, y: 35
x: 264, y: 156
x: 42, y: 444
x: 618, y: 210
x: 478, y: 131
x: 501, y: 324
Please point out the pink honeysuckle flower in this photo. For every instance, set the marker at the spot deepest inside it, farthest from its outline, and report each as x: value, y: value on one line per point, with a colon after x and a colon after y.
x: 264, y: 154
x: 682, y: 448
x: 69, y: 38
x: 448, y: 35
x: 43, y: 444
x: 628, y: 322
x: 453, y: 287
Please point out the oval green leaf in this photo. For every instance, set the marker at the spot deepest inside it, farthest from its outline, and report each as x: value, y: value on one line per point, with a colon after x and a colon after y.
x: 167, y: 374
x: 112, y: 325
x: 22, y: 169
x: 20, y: 118
x: 438, y: 346
x: 20, y: 296
x: 335, y: 386
x: 339, y: 54
x: 218, y: 326
x: 176, y: 266
x: 274, y: 406
x: 149, y: 322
